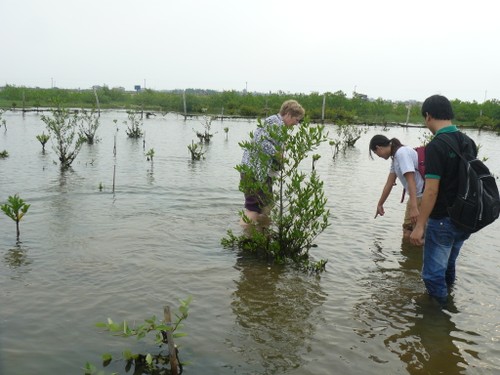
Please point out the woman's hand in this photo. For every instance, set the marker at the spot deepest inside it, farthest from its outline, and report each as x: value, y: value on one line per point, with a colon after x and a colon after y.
x: 414, y: 212
x: 380, y: 211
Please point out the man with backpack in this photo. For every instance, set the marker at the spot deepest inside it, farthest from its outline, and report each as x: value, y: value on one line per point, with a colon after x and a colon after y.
x: 443, y: 239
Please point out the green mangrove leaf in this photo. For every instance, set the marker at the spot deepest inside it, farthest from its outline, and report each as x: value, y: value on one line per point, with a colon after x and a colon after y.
x: 164, y: 327
x: 127, y: 355
x: 89, y: 368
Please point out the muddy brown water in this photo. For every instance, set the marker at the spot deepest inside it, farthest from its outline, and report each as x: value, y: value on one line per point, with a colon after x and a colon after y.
x: 86, y: 255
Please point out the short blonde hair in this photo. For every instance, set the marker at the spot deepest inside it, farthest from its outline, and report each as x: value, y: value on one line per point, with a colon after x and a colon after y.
x: 293, y: 108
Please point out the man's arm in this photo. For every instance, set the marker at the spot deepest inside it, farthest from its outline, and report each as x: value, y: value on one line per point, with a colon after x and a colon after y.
x: 428, y: 201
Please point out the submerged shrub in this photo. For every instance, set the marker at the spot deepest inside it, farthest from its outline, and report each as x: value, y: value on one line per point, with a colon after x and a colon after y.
x: 134, y: 125
x: 196, y: 150
x: 89, y: 123
x: 298, y: 214
x: 63, y: 129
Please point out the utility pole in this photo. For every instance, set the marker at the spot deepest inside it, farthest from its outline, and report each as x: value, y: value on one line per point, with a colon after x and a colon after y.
x: 323, y: 109
x: 481, y: 110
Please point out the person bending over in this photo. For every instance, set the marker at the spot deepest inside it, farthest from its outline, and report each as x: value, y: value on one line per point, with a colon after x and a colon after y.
x: 404, y: 166
x: 256, y: 184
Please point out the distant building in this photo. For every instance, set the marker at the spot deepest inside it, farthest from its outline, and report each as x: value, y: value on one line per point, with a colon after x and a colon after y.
x: 357, y: 95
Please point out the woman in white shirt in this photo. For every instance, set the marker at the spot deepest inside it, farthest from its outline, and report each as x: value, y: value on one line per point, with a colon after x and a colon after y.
x: 404, y: 166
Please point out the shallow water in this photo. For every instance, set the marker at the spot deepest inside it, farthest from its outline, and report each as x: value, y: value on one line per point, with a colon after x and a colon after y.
x: 87, y: 255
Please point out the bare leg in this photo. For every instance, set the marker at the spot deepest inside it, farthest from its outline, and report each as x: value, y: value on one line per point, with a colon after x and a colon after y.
x: 259, y: 219
x: 406, y: 234
x: 251, y: 215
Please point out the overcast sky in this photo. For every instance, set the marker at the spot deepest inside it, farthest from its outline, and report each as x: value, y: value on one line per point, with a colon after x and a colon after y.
x: 392, y: 49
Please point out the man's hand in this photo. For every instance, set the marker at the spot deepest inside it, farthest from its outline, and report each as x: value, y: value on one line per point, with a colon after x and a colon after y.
x: 417, y: 236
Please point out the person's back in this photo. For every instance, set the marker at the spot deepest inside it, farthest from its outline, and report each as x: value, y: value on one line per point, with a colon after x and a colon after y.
x: 442, y: 161
x: 406, y: 160
x: 443, y: 240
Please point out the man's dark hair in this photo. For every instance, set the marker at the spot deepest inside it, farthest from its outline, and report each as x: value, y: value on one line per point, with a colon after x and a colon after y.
x: 439, y: 107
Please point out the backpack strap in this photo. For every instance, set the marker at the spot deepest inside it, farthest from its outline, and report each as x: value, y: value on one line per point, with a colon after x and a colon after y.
x: 463, y: 147
x: 447, y: 140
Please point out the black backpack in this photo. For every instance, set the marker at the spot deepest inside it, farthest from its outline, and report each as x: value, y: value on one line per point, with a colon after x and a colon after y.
x: 477, y: 203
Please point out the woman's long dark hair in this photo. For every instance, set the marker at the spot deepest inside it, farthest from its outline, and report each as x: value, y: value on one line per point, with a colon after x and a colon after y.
x: 382, y: 140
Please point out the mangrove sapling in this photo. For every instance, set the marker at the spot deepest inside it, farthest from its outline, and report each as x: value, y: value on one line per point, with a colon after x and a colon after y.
x: 15, y: 208
x: 88, y: 122
x: 114, y: 140
x: 196, y: 151
x: 97, y: 102
x: 164, y: 333
x: 134, y: 125
x: 4, y: 154
x: 150, y: 154
x: 43, y: 139
x: 298, y: 214
x: 207, y: 125
x: 2, y: 120
x: 335, y: 146
x: 63, y: 129
x: 425, y: 138
x: 315, y: 158
x: 347, y: 136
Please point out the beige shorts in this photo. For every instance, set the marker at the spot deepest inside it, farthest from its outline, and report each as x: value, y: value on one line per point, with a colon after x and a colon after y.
x: 407, y: 221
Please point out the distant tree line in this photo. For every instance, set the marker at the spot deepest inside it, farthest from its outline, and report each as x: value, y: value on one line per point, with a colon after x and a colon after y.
x: 338, y: 108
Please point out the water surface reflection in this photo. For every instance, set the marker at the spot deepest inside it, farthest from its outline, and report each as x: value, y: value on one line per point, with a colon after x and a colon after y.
x: 410, y: 323
x: 17, y: 259
x: 278, y: 311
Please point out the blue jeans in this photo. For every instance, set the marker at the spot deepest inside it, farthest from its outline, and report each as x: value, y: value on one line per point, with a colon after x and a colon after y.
x: 442, y: 245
